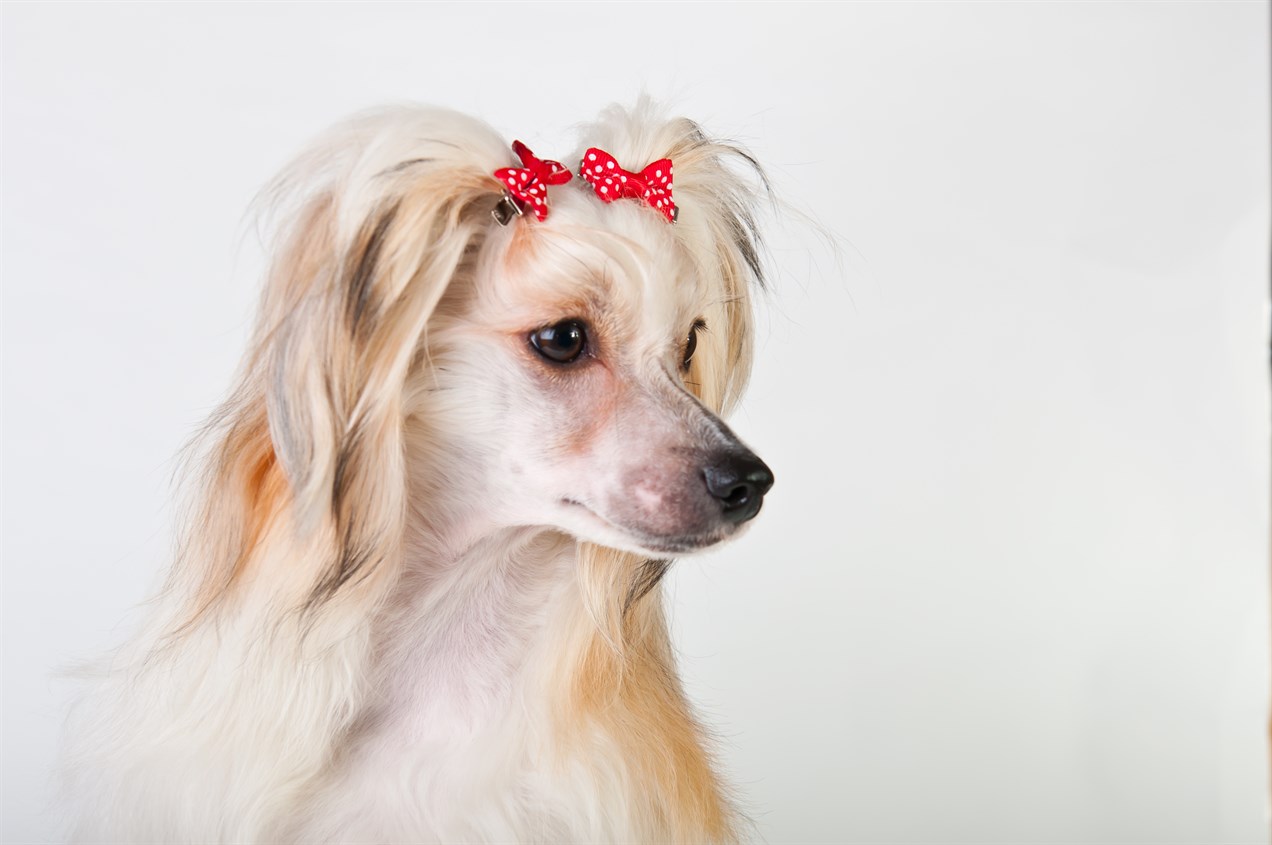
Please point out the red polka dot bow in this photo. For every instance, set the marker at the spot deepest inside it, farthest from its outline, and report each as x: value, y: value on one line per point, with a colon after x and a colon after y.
x: 529, y: 184
x: 612, y: 182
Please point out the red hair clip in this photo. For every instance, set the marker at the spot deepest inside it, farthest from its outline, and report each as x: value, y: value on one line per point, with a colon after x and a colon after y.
x: 612, y: 182
x: 528, y: 185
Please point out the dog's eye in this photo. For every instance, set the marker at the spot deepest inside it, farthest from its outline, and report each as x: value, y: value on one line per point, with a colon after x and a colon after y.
x: 562, y: 342
x: 691, y: 345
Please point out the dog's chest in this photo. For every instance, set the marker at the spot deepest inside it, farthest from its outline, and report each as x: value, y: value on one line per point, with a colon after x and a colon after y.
x: 455, y: 741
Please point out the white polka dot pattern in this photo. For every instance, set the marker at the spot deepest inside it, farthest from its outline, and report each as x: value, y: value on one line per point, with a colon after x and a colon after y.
x: 611, y: 182
x: 529, y: 184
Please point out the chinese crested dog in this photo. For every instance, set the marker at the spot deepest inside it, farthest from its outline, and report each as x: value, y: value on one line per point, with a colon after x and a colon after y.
x: 416, y: 596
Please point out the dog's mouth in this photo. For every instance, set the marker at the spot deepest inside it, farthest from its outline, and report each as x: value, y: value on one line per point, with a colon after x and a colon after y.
x: 649, y: 542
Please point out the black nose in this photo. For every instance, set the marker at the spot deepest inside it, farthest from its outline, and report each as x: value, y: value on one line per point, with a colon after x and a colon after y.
x: 738, y: 481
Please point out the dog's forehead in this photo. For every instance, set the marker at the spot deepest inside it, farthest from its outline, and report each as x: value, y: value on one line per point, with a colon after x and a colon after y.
x: 619, y: 262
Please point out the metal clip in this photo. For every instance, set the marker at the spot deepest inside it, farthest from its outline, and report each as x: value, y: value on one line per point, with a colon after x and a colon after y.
x: 507, y: 208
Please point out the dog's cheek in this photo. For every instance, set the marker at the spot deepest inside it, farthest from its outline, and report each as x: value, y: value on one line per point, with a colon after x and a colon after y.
x: 581, y: 407
x: 540, y: 423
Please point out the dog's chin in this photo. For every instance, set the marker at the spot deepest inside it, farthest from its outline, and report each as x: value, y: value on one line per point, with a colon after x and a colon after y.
x: 587, y: 524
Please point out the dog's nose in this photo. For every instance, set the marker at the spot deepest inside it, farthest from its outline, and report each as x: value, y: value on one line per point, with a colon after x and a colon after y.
x: 738, y: 481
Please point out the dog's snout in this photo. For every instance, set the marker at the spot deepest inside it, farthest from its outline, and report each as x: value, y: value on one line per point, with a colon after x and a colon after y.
x: 738, y: 481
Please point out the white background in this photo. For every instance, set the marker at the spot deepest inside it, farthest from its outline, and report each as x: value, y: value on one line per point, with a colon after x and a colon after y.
x: 1011, y: 585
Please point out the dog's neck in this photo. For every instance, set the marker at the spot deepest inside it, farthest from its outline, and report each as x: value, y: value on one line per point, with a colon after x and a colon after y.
x: 456, y: 634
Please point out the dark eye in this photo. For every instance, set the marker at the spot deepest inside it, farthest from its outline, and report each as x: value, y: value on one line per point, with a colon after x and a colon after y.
x: 691, y: 345
x: 563, y: 342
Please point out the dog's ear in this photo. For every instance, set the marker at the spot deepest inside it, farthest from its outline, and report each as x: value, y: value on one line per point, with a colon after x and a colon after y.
x: 344, y: 318
x: 718, y: 190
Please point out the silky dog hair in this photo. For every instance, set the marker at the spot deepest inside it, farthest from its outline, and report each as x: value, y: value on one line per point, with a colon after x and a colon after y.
x: 416, y: 595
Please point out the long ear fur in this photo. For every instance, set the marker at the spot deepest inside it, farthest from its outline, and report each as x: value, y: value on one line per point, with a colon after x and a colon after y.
x: 378, y: 219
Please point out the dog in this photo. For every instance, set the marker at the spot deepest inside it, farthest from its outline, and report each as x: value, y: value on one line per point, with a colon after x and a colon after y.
x: 416, y: 596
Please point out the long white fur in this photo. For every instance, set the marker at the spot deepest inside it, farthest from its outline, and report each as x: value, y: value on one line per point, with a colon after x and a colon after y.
x: 426, y: 697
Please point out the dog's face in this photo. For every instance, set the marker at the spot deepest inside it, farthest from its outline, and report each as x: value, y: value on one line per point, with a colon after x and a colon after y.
x: 565, y: 375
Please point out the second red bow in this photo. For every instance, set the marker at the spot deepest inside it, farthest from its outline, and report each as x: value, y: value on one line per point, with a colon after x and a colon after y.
x: 612, y: 182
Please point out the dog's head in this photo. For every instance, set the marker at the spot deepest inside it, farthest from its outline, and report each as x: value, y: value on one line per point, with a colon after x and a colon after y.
x: 569, y: 361
x: 566, y: 372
